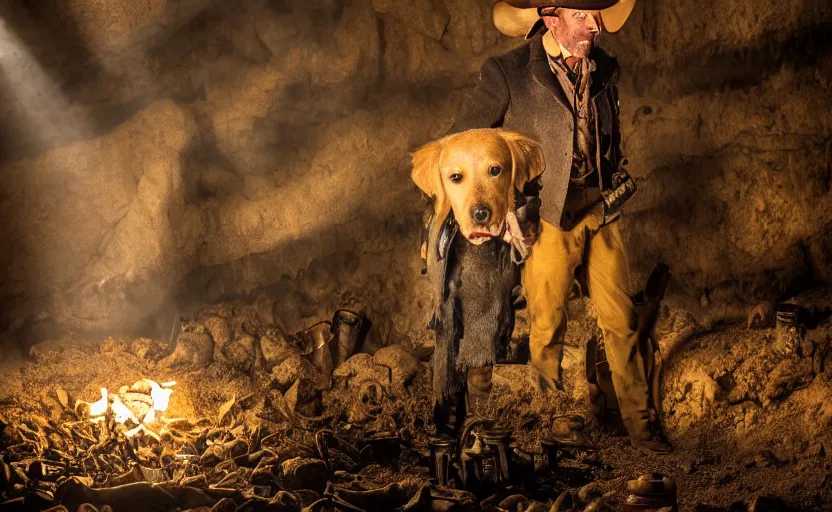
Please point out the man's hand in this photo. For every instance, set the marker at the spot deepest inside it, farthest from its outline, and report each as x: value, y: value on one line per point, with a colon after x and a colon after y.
x: 528, y: 218
x: 522, y: 226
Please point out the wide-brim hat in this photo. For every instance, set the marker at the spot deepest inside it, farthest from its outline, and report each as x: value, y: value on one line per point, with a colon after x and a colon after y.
x: 517, y: 18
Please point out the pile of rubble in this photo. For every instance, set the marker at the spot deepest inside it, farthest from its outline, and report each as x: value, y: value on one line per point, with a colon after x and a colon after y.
x: 255, y: 419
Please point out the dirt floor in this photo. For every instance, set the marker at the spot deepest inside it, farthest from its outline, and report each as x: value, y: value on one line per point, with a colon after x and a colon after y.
x: 745, y: 422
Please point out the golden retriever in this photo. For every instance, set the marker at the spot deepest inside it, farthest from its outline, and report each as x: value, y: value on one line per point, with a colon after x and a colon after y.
x: 475, y: 174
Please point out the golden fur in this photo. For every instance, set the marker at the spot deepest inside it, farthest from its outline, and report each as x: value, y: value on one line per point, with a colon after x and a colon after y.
x: 458, y: 173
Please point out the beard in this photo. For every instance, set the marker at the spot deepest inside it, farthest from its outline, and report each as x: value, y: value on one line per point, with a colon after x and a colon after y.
x: 579, y: 44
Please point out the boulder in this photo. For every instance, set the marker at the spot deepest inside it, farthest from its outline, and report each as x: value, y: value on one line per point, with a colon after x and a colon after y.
x: 194, y: 349
x: 403, y: 366
x: 276, y: 349
x: 220, y: 333
x: 147, y: 348
x: 241, y: 353
x: 295, y: 368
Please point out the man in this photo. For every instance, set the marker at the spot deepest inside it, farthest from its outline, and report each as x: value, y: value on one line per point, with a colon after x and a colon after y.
x: 560, y: 89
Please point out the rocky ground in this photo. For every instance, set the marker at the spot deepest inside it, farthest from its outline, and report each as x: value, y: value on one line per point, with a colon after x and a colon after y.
x: 254, y: 413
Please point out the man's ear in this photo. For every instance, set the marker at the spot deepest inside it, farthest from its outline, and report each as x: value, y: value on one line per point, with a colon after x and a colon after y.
x: 426, y: 175
x: 527, y: 158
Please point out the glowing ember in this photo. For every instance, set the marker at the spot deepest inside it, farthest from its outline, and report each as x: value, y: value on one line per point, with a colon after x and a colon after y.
x: 99, y: 407
x: 145, y: 399
x: 160, y: 396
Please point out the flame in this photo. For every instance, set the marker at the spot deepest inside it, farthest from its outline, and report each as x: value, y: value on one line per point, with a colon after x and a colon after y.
x: 100, y: 407
x: 160, y: 398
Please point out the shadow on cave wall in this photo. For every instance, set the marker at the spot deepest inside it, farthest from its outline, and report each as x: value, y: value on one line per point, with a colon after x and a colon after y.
x: 703, y: 70
x: 296, y: 117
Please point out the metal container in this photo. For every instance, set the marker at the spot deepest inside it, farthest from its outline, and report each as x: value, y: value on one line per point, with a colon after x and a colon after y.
x: 499, y: 440
x: 551, y: 447
x: 651, y: 492
x: 347, y: 327
x: 480, y: 467
x: 320, y: 347
x: 442, y: 456
x: 789, y: 331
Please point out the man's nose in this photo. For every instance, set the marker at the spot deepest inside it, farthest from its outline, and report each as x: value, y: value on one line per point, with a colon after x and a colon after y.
x: 592, y: 24
x: 481, y: 213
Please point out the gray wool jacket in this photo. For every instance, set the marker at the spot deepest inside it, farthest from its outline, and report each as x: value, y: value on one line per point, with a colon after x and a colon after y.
x: 518, y: 91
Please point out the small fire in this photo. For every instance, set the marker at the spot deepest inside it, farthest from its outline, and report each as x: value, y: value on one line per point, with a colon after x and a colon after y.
x: 143, y: 404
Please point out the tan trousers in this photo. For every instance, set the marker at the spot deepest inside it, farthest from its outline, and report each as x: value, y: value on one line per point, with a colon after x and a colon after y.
x: 548, y: 277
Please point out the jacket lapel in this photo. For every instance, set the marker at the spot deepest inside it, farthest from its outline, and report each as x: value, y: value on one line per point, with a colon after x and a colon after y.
x: 606, y: 72
x: 542, y: 73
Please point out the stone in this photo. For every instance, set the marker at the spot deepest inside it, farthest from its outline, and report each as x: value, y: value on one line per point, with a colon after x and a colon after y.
x: 63, y: 397
x: 147, y: 348
x: 240, y: 353
x: 292, y: 369
x: 360, y: 368
x: 789, y: 376
x: 193, y: 349
x: 224, y: 310
x: 402, y: 364
x: 302, y: 473
x: 220, y: 333
x: 276, y: 349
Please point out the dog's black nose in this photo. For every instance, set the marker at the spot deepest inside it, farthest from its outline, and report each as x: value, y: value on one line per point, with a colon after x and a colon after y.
x: 481, y: 213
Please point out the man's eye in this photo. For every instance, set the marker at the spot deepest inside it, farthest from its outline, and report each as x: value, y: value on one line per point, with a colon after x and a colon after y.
x: 495, y: 170
x: 580, y: 16
x: 456, y: 177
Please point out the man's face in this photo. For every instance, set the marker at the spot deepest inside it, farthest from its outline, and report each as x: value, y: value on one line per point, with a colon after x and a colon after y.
x: 575, y: 30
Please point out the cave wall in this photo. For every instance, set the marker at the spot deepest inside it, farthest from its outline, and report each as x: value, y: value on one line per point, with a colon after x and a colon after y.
x: 172, y: 152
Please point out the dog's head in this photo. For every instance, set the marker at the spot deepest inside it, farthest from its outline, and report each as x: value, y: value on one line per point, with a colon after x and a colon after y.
x: 475, y: 174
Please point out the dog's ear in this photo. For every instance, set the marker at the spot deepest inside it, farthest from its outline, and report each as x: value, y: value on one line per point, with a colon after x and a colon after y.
x: 527, y: 158
x: 426, y: 174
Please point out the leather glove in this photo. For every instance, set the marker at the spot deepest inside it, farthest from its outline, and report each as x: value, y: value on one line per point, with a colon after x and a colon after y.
x: 528, y: 218
x: 522, y: 228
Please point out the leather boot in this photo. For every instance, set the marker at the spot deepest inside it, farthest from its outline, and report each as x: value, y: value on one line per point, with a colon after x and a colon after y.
x: 479, y: 389
x: 645, y: 433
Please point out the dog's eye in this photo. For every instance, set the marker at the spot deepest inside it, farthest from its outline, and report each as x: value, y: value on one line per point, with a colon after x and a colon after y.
x: 495, y: 170
x: 456, y: 177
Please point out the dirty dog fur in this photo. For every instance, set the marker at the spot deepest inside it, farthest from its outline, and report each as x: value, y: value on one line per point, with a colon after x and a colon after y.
x: 469, y: 264
x: 475, y: 318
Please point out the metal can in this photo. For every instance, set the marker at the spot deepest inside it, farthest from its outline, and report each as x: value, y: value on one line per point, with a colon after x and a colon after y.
x: 442, y: 456
x: 651, y: 492
x: 789, y: 331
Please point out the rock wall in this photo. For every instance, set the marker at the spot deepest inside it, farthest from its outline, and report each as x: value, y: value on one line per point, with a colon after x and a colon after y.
x: 186, y: 151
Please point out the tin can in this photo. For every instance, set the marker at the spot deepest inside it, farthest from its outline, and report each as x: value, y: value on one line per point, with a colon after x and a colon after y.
x: 651, y: 492
x: 442, y: 456
x: 347, y: 327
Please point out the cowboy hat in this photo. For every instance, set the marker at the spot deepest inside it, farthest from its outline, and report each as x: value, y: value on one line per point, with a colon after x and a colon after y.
x: 516, y: 18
